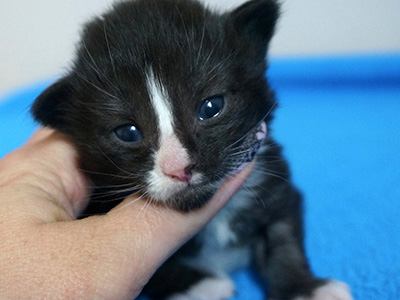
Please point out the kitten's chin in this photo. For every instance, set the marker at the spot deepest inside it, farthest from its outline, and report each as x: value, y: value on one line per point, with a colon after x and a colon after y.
x: 190, y: 199
x: 186, y: 199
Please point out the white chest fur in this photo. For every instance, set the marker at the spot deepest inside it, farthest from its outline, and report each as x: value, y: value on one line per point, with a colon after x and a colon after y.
x: 219, y: 252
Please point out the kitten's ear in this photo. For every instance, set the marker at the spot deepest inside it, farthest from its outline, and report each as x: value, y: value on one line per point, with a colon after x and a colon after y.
x: 51, y: 106
x: 256, y: 18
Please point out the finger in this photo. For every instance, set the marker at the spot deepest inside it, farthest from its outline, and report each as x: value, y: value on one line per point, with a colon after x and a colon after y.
x: 46, y: 168
x: 40, y: 134
x: 109, y: 256
x: 134, y: 240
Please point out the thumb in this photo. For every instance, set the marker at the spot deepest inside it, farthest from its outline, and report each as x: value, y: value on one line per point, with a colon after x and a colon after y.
x: 135, y: 238
x: 100, y: 257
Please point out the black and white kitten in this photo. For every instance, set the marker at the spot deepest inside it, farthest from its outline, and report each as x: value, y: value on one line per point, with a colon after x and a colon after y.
x: 167, y: 98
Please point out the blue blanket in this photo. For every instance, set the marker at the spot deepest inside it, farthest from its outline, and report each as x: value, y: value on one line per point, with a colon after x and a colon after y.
x: 339, y: 121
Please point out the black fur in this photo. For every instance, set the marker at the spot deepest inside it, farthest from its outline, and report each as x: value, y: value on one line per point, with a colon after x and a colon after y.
x: 196, y: 54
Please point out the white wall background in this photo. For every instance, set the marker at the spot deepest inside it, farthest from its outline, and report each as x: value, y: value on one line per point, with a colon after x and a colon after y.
x: 37, y: 37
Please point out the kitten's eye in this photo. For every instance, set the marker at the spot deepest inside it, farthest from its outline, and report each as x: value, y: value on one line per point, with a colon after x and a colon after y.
x: 128, y: 133
x: 211, y: 108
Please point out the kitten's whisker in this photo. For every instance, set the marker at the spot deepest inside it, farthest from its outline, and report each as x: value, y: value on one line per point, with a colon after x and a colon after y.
x: 109, y: 50
x: 145, y: 207
x: 273, y: 175
x: 109, y: 194
x: 202, y: 37
x: 102, y: 193
x: 122, y: 186
x: 273, y: 144
x: 238, y: 153
x: 98, y: 88
x: 248, y: 186
x: 210, y: 54
x: 95, y: 67
x: 245, y: 185
x: 128, y: 204
x: 271, y: 158
x: 218, y: 66
x: 110, y: 160
x: 258, y: 124
x: 131, y: 176
x: 185, y: 28
x: 108, y: 200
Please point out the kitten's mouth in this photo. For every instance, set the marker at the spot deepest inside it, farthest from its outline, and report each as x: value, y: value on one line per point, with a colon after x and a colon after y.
x: 163, y: 188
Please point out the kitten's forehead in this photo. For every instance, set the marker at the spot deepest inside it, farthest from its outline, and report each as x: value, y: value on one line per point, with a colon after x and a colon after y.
x: 175, y: 36
x: 162, y: 107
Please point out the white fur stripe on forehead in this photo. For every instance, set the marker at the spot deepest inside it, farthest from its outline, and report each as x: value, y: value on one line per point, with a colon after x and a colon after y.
x: 159, y: 99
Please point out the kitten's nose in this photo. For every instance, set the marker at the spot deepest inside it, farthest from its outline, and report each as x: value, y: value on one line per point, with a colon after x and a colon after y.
x: 174, y: 160
x: 183, y: 175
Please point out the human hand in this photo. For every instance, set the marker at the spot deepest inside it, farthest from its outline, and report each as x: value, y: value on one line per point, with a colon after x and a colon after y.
x: 45, y: 253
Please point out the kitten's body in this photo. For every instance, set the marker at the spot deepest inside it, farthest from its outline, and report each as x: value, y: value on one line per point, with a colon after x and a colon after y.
x: 266, y: 212
x: 167, y: 99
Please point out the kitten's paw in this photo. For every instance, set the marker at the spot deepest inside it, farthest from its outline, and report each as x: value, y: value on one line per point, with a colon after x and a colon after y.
x: 208, y: 289
x: 333, y: 290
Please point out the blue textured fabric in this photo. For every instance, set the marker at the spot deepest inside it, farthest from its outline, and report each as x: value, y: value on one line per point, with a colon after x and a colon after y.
x: 339, y: 121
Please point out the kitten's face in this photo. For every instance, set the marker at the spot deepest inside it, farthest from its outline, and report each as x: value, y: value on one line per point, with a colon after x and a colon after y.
x: 165, y: 99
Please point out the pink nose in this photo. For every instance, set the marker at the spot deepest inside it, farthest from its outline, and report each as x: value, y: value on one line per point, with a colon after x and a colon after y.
x: 174, y: 160
x: 183, y: 175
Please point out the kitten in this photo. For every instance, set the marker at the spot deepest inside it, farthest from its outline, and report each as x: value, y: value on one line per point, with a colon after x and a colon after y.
x: 167, y: 98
